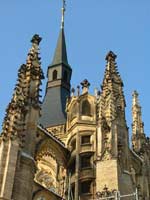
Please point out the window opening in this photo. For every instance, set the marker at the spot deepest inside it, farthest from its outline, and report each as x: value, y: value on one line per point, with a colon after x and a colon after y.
x: 86, y: 108
x: 85, y: 139
x: 86, y: 187
x: 85, y: 161
x: 54, y: 74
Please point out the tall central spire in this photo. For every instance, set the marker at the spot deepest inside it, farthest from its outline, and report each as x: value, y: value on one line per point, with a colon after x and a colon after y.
x: 60, y: 55
x: 58, y: 85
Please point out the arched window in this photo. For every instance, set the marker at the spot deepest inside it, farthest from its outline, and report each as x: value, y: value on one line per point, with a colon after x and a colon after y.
x: 54, y: 74
x: 86, y: 108
x: 65, y: 77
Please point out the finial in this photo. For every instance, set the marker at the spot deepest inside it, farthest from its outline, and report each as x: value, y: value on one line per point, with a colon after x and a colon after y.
x: 78, y: 90
x: 111, y: 56
x: 72, y: 92
x: 135, y: 98
x: 36, y: 39
x: 135, y: 93
x: 63, y: 13
x: 85, y: 86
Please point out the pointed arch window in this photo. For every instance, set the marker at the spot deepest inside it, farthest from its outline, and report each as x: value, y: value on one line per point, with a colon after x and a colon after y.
x: 55, y: 75
x: 86, y: 108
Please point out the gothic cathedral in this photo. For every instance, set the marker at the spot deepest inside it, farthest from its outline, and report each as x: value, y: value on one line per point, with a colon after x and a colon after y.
x: 73, y: 145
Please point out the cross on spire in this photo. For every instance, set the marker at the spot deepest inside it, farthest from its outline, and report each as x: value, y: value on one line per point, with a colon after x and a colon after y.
x: 63, y: 14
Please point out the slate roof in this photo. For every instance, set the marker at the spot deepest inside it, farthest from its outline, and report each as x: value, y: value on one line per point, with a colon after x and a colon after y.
x: 54, y: 104
x: 53, y: 108
x: 60, y: 55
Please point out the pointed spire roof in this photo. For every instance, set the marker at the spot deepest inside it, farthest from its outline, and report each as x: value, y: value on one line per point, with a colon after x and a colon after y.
x: 58, y: 85
x: 60, y: 56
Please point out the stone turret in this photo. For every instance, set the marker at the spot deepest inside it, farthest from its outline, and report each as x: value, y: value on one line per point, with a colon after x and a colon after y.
x: 17, y: 142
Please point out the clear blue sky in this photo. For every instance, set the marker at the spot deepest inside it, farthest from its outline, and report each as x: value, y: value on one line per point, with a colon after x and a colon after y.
x: 93, y: 27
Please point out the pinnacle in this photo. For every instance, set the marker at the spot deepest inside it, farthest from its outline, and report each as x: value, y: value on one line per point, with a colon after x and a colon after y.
x: 36, y: 39
x: 135, y: 93
x: 26, y: 92
x: 111, y: 56
x: 135, y: 96
x: 85, y: 83
x: 85, y: 86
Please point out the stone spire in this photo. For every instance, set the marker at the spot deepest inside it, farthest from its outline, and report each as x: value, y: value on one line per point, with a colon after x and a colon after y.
x: 18, y: 139
x: 26, y: 92
x: 112, y: 96
x: 138, y: 136
x: 112, y: 132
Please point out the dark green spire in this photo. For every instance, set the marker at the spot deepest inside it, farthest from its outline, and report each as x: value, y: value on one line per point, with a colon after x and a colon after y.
x: 58, y: 86
x: 60, y: 56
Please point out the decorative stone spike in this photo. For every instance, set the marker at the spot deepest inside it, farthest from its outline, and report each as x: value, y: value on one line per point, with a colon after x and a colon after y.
x: 78, y: 90
x: 111, y: 56
x: 112, y: 91
x: 138, y: 136
x: 26, y: 92
x: 36, y: 39
x: 85, y: 86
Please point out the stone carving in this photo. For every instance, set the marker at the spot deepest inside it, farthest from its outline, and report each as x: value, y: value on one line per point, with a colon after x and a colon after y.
x: 85, y: 86
x: 106, y: 154
x: 46, y: 179
x: 113, y: 102
x: 58, y: 130
x: 41, y: 198
x: 133, y: 174
x: 26, y: 93
x: 106, y: 193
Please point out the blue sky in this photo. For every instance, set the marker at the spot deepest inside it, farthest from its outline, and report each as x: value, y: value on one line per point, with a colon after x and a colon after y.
x: 93, y: 27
